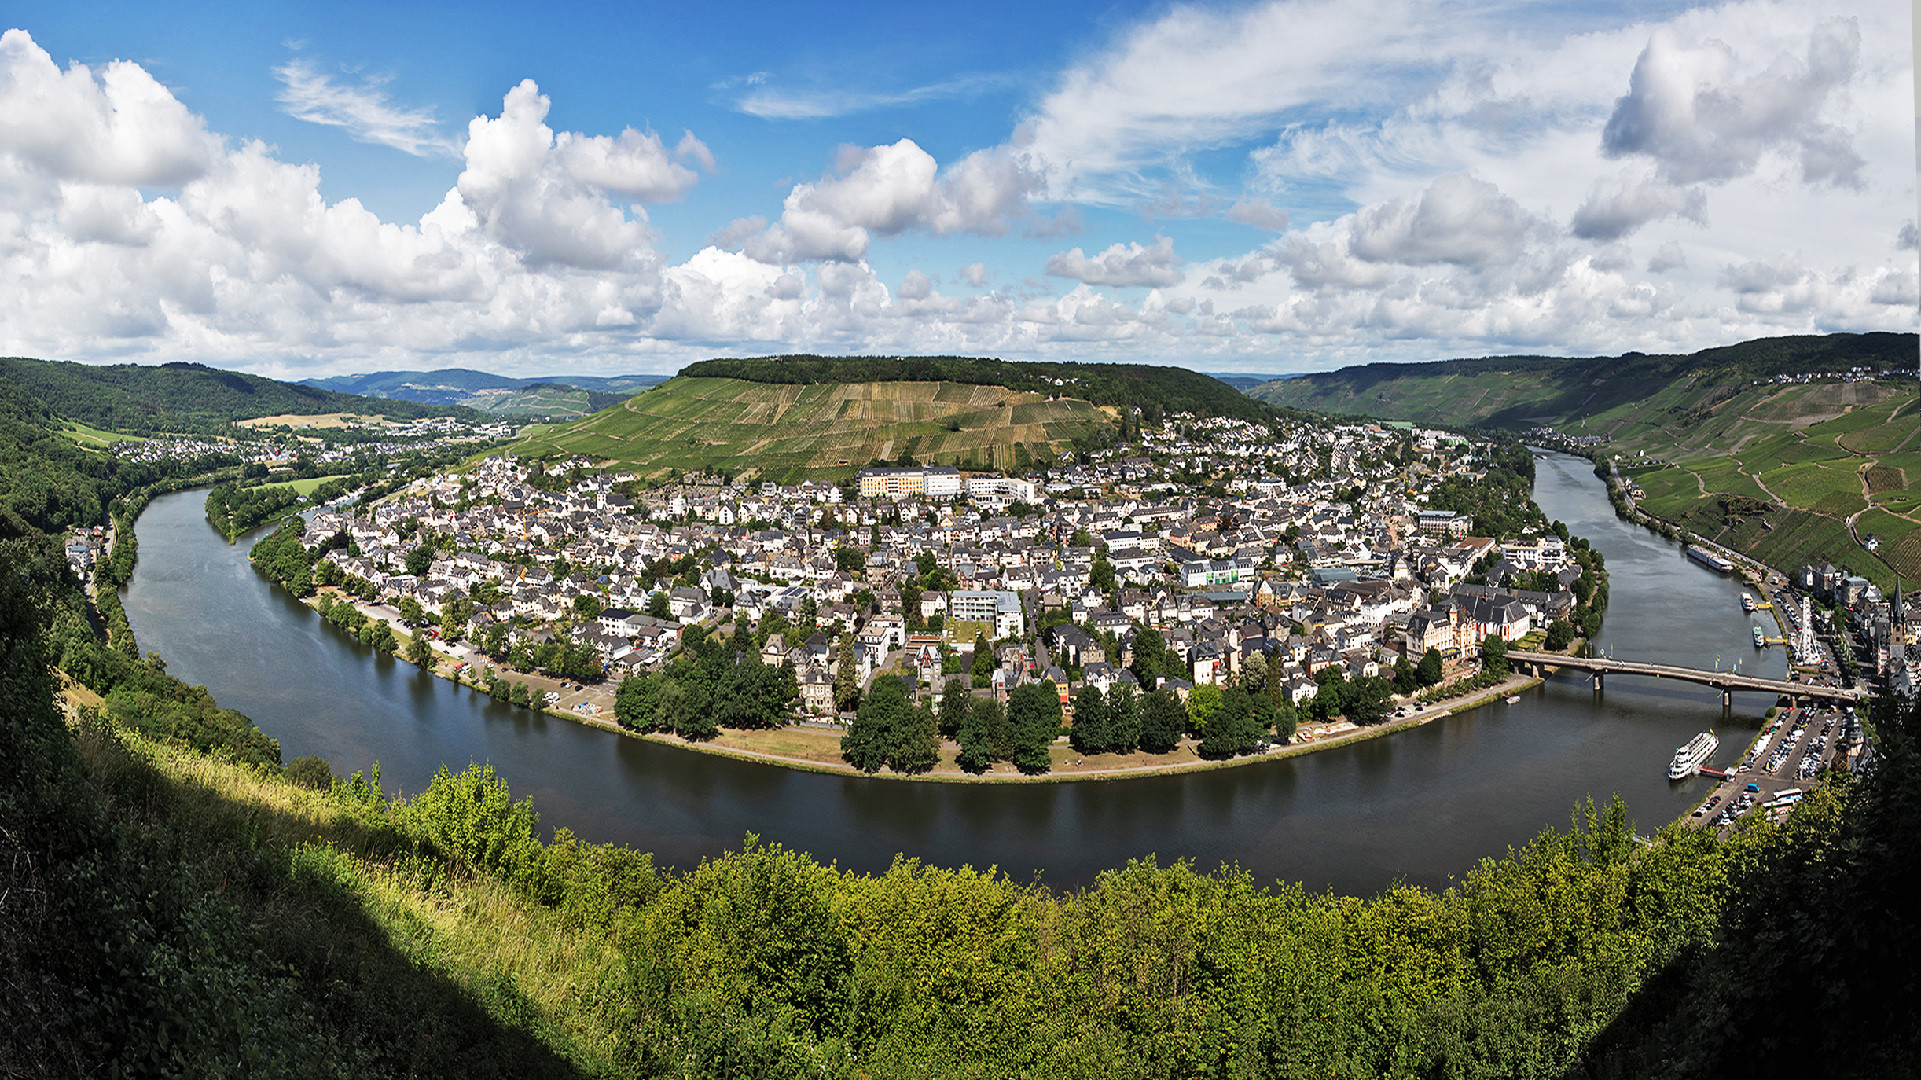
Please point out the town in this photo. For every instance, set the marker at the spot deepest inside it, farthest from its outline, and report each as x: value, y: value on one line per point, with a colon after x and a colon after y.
x: 1298, y: 561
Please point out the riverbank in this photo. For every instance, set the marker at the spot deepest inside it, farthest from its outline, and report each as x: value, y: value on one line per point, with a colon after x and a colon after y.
x: 815, y: 747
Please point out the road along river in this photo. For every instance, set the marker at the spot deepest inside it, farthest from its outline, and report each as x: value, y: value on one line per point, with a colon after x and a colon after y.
x: 1420, y: 806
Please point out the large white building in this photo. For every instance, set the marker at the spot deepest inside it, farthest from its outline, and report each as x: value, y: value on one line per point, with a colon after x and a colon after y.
x: 996, y: 607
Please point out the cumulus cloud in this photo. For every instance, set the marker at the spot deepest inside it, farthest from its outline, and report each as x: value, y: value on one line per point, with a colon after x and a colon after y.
x: 364, y: 111
x: 1458, y: 219
x: 916, y: 286
x: 974, y: 274
x: 1909, y: 238
x: 546, y: 195
x: 888, y: 190
x: 121, y: 127
x: 1122, y: 265
x: 1703, y: 115
x: 1618, y: 206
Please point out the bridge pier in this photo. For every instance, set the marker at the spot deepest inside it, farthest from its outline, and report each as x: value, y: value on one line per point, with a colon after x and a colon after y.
x: 1727, y: 700
x: 1597, y: 682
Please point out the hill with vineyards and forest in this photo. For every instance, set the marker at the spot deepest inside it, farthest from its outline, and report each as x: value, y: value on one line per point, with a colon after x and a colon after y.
x: 793, y: 416
x: 1793, y: 450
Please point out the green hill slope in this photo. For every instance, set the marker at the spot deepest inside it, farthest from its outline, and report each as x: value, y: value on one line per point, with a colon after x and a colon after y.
x: 188, y: 398
x: 787, y: 430
x: 1604, y: 392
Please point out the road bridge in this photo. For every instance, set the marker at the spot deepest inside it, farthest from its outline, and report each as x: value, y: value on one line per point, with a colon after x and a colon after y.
x: 1725, y: 681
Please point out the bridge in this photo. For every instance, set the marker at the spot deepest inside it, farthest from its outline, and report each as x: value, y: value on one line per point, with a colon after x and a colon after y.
x: 1725, y: 681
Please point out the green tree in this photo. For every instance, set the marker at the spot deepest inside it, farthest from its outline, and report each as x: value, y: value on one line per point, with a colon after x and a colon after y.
x: 1123, y: 719
x: 983, y: 735
x: 953, y: 708
x: 1202, y: 702
x: 1090, y: 735
x: 637, y: 702
x: 1162, y: 721
x: 881, y: 727
x: 1560, y: 634
x: 410, y: 611
x: 1366, y: 700
x: 1237, y: 726
x: 983, y: 667
x: 587, y: 605
x: 846, y: 675
x: 1429, y: 670
x: 1406, y: 680
x: 1494, y: 655
x: 420, y: 651
x: 1034, y: 715
x: 657, y: 605
x: 1101, y: 575
x: 419, y: 559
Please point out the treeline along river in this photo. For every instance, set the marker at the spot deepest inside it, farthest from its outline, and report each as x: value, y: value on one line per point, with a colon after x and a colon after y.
x: 1421, y: 806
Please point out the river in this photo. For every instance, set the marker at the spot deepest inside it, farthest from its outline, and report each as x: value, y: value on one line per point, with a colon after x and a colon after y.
x: 1422, y: 806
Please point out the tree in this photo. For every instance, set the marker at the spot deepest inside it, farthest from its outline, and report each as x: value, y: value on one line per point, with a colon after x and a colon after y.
x: 953, y: 708
x: 588, y: 605
x: 1366, y: 700
x: 1254, y: 672
x: 1429, y: 670
x: 420, y: 559
x: 453, y: 617
x: 984, y: 736
x: 1089, y: 735
x: 1202, y: 702
x: 1034, y: 715
x: 846, y: 676
x: 1560, y: 634
x: 1162, y: 721
x: 1101, y: 576
x: 420, y: 651
x: 1237, y: 726
x: 1123, y: 720
x: 1494, y: 655
x: 849, y: 560
x: 521, y: 694
x: 410, y: 611
x: 657, y: 605
x: 886, y: 731
x: 1406, y: 680
x: 983, y: 668
x: 637, y: 702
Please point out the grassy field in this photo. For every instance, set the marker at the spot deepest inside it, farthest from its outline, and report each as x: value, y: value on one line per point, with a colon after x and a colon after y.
x: 303, y: 486
x: 94, y: 438
x: 782, y: 431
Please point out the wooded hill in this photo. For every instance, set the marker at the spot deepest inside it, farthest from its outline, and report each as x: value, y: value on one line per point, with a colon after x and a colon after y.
x: 1594, y: 395
x: 181, y: 398
x: 1154, y: 390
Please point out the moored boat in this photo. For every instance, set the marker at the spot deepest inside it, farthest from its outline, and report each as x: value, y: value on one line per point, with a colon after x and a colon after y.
x: 1691, y: 756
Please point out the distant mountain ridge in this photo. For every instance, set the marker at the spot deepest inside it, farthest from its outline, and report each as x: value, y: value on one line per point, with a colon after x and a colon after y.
x: 544, y: 395
x: 1521, y: 391
x: 146, y: 399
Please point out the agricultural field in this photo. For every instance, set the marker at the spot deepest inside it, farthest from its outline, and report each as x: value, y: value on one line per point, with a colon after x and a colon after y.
x: 1788, y: 495
x: 824, y: 430
x: 92, y: 437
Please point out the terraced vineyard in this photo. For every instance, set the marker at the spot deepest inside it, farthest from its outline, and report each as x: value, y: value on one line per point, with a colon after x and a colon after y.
x: 1816, y: 472
x: 824, y: 430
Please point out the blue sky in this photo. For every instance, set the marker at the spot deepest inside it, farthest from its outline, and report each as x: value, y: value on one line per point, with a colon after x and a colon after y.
x: 1278, y: 186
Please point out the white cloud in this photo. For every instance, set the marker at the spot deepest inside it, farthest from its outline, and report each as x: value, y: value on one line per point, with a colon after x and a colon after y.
x: 120, y: 127
x: 546, y: 195
x: 364, y: 111
x: 1122, y: 265
x: 1259, y: 213
x: 1458, y: 219
x: 975, y: 274
x: 1618, y: 206
x: 1702, y: 114
x: 888, y: 190
x: 1669, y: 257
x: 774, y: 103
